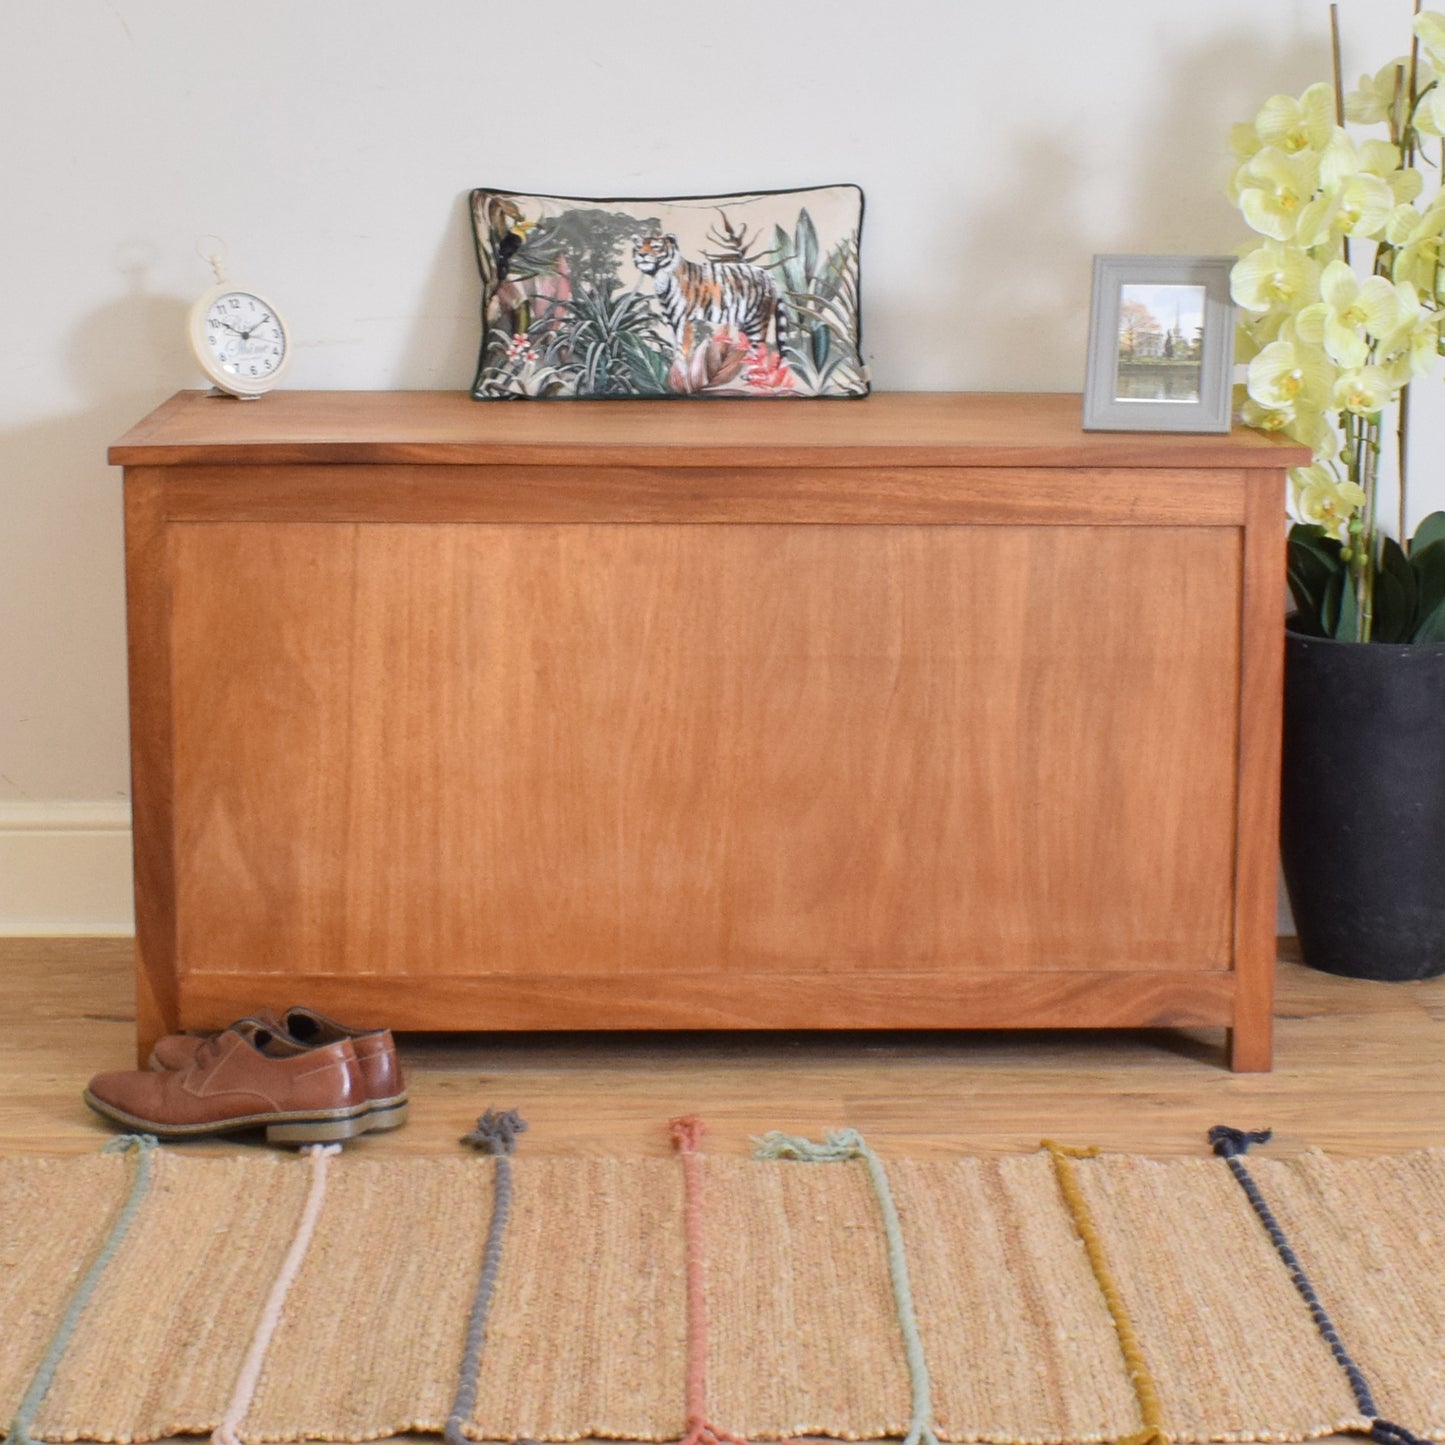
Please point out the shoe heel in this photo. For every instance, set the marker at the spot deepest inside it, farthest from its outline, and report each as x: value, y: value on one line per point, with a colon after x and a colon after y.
x: 316, y: 1131
x: 390, y: 1118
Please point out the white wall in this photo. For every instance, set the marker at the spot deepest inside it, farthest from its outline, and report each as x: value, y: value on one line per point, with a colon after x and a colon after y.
x: 331, y: 142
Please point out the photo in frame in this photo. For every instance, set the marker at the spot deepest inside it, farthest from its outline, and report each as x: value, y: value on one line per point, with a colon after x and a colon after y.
x: 752, y: 295
x: 1161, y: 344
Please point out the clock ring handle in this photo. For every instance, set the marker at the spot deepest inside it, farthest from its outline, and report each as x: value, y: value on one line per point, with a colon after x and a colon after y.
x: 213, y: 255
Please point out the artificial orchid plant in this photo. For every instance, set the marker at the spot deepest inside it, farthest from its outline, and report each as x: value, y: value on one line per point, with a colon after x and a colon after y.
x: 1343, y: 303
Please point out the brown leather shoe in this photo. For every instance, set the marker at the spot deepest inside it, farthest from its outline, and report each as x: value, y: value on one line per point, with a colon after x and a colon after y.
x: 376, y: 1053
x: 246, y: 1077
x: 375, y: 1049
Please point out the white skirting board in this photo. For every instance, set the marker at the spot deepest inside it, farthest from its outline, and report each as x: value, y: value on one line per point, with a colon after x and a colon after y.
x: 65, y: 867
x: 1283, y: 918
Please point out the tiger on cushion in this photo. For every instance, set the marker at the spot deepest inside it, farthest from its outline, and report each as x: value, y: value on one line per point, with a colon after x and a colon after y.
x: 720, y: 293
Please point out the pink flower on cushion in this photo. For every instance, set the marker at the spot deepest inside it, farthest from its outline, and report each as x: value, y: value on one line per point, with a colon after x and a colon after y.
x: 767, y: 370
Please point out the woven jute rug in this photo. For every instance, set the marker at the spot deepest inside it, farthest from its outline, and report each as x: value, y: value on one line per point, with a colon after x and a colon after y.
x: 825, y: 1290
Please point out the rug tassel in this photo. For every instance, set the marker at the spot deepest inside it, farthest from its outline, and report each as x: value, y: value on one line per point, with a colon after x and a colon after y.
x: 124, y: 1143
x: 495, y: 1134
x: 1150, y: 1436
x: 839, y: 1145
x: 1231, y: 1145
x: 1388, y: 1433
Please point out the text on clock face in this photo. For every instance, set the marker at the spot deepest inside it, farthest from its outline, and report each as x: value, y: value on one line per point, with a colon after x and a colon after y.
x: 244, y: 335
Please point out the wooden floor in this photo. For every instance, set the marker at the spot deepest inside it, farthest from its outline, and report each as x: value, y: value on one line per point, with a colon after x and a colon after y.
x: 1360, y: 1069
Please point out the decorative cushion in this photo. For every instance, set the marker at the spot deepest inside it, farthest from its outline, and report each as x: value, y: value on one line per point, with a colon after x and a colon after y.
x: 746, y: 295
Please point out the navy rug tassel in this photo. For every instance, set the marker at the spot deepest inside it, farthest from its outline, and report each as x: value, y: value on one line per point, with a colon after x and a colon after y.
x: 1232, y: 1145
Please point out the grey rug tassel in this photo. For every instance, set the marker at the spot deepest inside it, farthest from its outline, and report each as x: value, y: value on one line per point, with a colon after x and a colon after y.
x: 495, y: 1134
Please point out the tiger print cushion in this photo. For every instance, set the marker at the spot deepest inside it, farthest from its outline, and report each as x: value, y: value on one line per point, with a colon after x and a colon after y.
x: 746, y: 295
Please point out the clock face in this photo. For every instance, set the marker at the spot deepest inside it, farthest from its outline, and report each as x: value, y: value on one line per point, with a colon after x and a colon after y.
x: 244, y: 337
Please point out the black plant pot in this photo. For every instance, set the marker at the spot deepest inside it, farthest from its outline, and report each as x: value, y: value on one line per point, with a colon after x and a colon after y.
x: 1362, y: 824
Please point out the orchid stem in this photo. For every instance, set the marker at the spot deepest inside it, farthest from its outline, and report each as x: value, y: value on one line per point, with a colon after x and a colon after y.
x: 1366, y: 453
x: 1339, y: 96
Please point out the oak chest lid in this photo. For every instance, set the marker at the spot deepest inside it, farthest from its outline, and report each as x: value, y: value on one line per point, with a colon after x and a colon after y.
x: 892, y: 429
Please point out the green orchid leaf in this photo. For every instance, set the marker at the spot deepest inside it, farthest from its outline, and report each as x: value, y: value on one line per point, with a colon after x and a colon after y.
x: 1309, y: 604
x: 1308, y: 590
x: 1309, y: 536
x: 1432, y: 629
x: 1347, y: 627
x: 1394, y: 609
x: 1315, y: 574
x: 1333, y: 604
x: 1430, y: 531
x: 1428, y: 566
x: 1309, y: 576
x: 1395, y: 564
x: 1313, y: 543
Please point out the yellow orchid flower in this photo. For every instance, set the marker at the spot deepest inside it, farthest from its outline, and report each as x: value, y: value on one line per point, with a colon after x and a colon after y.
x: 1275, y: 275
x: 1275, y: 187
x: 1364, y: 390
x: 1376, y: 97
x: 1349, y: 315
x: 1253, y: 333
x: 1321, y: 498
x: 1275, y: 419
x: 1344, y: 158
x: 1418, y: 239
x: 1430, y: 28
x: 1410, y: 350
x: 1317, y: 431
x: 1244, y: 141
x: 1405, y: 367
x: 1358, y: 206
x: 1310, y: 428
x: 1381, y: 158
x: 1292, y: 125
x: 1339, y: 160
x: 1289, y: 374
x: 1358, y: 190
x: 1429, y: 116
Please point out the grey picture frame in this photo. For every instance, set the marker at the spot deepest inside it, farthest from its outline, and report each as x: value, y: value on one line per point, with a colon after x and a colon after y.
x: 1200, y: 378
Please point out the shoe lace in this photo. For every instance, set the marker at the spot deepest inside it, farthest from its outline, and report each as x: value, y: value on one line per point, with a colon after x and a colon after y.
x: 208, y: 1049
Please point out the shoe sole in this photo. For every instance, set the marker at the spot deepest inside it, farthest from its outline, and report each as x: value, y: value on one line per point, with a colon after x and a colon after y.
x: 382, y: 1114
x: 386, y: 1114
x: 320, y: 1126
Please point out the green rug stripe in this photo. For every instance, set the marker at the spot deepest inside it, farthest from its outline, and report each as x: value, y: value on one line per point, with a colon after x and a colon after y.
x: 841, y: 1145
x: 144, y: 1146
